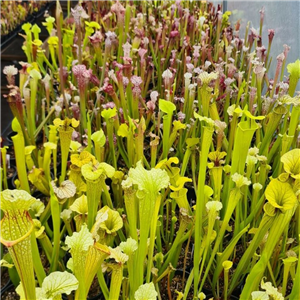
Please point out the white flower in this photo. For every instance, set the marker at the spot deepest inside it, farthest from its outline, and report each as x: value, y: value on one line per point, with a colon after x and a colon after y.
x: 213, y: 206
x: 167, y: 74
x: 10, y: 70
x: 207, y: 64
x: 240, y: 180
x: 257, y: 186
x: 253, y: 151
x: 201, y: 21
x: 251, y: 160
x: 206, y: 78
x: 126, y: 48
x: 153, y: 96
x: 187, y: 77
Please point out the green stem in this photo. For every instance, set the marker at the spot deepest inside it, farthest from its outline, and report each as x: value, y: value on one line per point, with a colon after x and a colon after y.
x: 37, y: 264
x: 102, y: 284
x: 19, y: 148
x: 234, y: 197
x: 55, y: 213
x: 94, y: 190
x: 152, y: 237
x: 280, y: 222
x: 116, y: 281
x: 205, y: 146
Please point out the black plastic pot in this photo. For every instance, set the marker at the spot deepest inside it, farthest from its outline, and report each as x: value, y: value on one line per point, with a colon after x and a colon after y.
x: 8, y: 138
x: 7, y: 286
x: 10, y: 183
x: 97, y: 297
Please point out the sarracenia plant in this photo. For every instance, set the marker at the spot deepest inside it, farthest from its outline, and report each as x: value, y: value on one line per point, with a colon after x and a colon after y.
x: 65, y: 130
x: 19, y: 147
x: 281, y: 195
x: 95, y: 175
x: 148, y: 194
x: 17, y: 229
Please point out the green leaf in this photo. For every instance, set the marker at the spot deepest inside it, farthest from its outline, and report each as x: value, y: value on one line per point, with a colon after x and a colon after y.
x: 291, y: 163
x: 108, y: 169
x: 146, y: 292
x: 6, y: 264
x: 37, y: 207
x: 118, y: 255
x: 151, y: 181
x: 16, y: 200
x: 90, y: 173
x: 248, y: 114
x: 180, y: 183
x: 123, y: 130
x: 259, y: 296
x: 166, y: 106
x: 214, y: 206
x: 240, y: 180
x: 227, y: 264
x: 280, y: 195
x: 294, y: 69
x: 15, y: 125
x: 192, y: 142
x: 129, y: 246
x: 208, y: 121
x: 80, y: 205
x: 58, y: 283
x: 35, y: 74
x: 26, y: 27
x: 109, y: 113
x: 80, y: 241
x: 99, y: 138
x: 178, y: 125
x: 36, y: 29
x: 113, y: 222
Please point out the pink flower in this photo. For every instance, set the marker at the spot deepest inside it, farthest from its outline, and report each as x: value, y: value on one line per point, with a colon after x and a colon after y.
x: 142, y: 53
x: 181, y: 116
x: 82, y: 75
x: 271, y: 34
x: 260, y: 52
x: 286, y: 50
x: 196, y: 53
x: 96, y: 38
x: 262, y: 14
x: 109, y: 105
x: 78, y: 12
x: 119, y: 10
x: 10, y: 72
x: 174, y: 33
x: 126, y: 48
x: 151, y: 105
x: 167, y: 77
x: 111, y: 38
x: 136, y: 81
x: 153, y: 96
